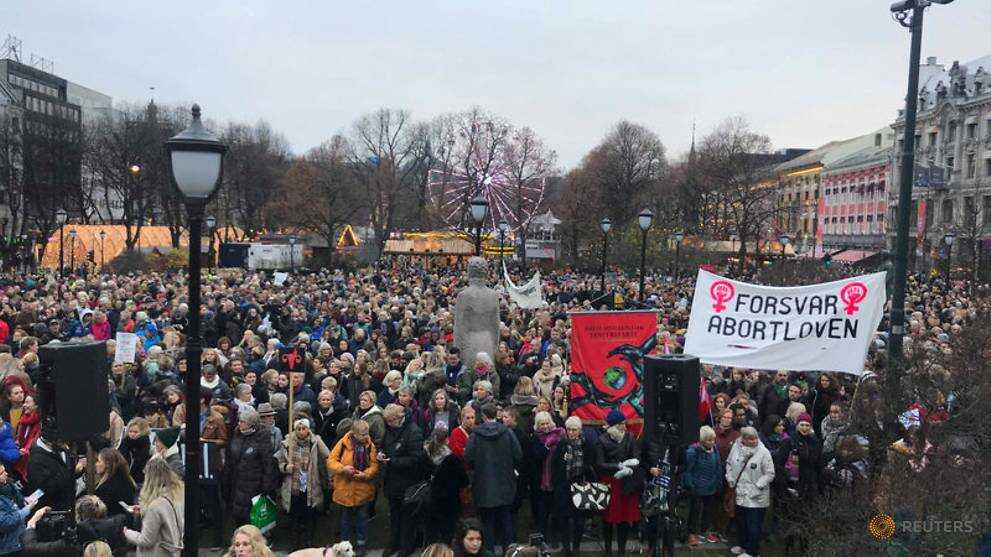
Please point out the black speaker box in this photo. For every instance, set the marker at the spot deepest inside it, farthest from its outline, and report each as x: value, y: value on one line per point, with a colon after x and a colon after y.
x: 671, y: 398
x: 73, y: 388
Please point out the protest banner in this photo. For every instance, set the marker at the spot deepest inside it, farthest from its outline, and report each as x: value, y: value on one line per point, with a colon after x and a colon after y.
x: 820, y: 327
x: 528, y: 296
x: 127, y: 348
x: 607, y: 350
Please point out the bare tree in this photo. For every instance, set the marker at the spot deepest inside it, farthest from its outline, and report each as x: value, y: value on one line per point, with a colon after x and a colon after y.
x: 627, y: 165
x: 318, y: 192
x: 257, y: 159
x: 387, y: 152
x: 732, y: 159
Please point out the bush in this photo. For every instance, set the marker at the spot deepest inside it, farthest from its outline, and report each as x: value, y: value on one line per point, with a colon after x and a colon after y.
x: 129, y: 262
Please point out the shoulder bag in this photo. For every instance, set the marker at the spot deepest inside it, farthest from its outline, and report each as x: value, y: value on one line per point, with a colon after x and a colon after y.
x: 729, y: 496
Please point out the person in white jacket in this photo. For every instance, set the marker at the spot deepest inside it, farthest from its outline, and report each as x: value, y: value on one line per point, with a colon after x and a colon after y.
x: 750, y: 469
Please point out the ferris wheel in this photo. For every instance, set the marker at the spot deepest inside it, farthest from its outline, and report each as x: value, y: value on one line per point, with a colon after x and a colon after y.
x: 451, y: 192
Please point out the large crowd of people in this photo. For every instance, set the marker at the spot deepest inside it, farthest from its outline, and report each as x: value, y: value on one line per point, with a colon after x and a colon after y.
x: 391, y: 422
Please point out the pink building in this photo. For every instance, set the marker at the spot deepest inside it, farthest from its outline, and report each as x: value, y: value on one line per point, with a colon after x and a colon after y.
x: 855, y: 193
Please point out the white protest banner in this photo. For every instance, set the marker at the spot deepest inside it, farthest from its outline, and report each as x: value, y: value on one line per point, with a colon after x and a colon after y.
x: 528, y: 296
x: 820, y: 327
x: 127, y: 347
x: 280, y: 278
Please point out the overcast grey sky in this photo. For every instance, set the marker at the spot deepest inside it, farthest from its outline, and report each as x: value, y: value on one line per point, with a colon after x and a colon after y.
x: 802, y: 71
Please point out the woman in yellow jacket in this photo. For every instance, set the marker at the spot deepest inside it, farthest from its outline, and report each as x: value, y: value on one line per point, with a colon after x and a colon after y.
x: 354, y: 463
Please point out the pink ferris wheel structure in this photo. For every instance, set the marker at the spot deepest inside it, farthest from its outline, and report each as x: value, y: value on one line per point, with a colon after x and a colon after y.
x: 451, y: 191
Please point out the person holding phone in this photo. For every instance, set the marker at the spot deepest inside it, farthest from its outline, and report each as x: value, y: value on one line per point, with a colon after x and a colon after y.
x: 14, y: 510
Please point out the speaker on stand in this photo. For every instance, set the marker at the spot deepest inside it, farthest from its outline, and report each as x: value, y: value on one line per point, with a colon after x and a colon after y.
x: 671, y: 424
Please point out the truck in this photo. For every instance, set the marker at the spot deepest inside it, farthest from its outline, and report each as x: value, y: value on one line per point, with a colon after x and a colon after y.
x: 272, y: 257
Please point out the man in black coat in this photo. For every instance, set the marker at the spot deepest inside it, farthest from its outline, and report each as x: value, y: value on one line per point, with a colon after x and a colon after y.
x: 494, y: 454
x: 401, y: 453
x: 50, y: 468
x: 774, y: 400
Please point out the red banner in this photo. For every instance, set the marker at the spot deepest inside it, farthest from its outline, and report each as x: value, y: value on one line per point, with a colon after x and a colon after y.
x: 607, y: 350
x: 920, y: 225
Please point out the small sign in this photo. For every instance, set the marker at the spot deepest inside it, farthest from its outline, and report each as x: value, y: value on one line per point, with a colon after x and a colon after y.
x: 280, y: 278
x: 127, y: 348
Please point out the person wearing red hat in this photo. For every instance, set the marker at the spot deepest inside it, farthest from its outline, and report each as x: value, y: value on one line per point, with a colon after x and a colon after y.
x: 798, y: 463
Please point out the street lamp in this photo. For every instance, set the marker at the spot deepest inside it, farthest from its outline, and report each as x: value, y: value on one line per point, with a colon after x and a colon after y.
x: 197, y: 164
x: 292, y: 254
x: 211, y: 227
x: 948, y: 240
x: 72, y: 251
x: 909, y: 14
x: 605, y: 225
x: 503, y: 228
x: 60, y: 217
x: 679, y: 236
x: 785, y: 240
x: 644, y: 219
x: 479, y: 208
x: 103, y: 250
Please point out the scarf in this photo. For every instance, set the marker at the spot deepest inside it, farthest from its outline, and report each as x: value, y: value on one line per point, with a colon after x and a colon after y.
x: 360, y: 456
x: 615, y: 434
x: 574, y: 466
x: 550, y: 440
x: 781, y: 390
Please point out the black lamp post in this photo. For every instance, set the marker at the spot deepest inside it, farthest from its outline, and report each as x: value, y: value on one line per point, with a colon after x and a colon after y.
x: 948, y: 240
x: 72, y: 251
x: 605, y: 224
x: 908, y: 13
x: 479, y: 208
x: 103, y: 250
x: 197, y: 163
x: 60, y: 217
x: 292, y: 254
x: 679, y: 236
x: 211, y: 228
x: 503, y: 228
x: 644, y: 219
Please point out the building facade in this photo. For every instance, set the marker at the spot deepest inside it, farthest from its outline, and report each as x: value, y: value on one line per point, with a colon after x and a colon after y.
x: 951, y: 196
x: 855, y: 198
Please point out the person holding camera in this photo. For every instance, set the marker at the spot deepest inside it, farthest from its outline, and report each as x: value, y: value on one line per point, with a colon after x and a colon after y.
x: 160, y: 508
x: 48, y: 535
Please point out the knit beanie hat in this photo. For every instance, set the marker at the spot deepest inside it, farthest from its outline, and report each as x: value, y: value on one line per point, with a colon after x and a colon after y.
x: 168, y: 436
x: 615, y: 416
x: 803, y: 417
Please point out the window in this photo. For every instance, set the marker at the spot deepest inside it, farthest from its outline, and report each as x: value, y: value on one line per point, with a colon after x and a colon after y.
x: 972, y: 130
x: 986, y: 216
x: 947, y: 216
x: 987, y: 167
x: 971, y: 165
x: 952, y: 132
x: 932, y: 139
x: 949, y: 164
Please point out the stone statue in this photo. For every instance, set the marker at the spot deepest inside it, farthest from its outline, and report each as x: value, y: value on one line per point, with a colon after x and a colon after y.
x: 476, y: 315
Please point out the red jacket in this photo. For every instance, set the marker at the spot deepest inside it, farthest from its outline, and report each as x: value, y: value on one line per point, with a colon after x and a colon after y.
x: 458, y: 442
x: 100, y: 331
x: 28, y: 431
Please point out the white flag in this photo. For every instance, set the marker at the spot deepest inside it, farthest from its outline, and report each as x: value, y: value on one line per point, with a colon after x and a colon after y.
x: 820, y: 327
x: 528, y: 296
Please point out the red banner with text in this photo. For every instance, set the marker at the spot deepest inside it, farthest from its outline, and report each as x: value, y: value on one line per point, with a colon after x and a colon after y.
x: 607, y: 350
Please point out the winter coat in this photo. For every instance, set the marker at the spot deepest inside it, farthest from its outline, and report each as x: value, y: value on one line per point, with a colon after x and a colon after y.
x: 316, y: 478
x: 753, y: 490
x: 28, y: 431
x: 466, y: 382
x: 810, y: 464
x: 493, y: 453
x: 404, y: 448
x: 831, y: 430
x: 9, y: 453
x: 609, y: 454
x: 453, y: 412
x: 350, y: 491
x: 11, y: 525
x: 562, y: 503
x: 250, y: 469
x: 117, y: 488
x: 449, y: 478
x: 376, y: 423
x: 703, y: 471
x: 109, y: 530
x: 525, y: 407
x: 136, y: 452
x: 161, y: 529
x: 325, y: 424
x: 48, y: 472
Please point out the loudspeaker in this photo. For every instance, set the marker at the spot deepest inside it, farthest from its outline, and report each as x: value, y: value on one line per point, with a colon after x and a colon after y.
x: 73, y: 388
x: 671, y: 398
